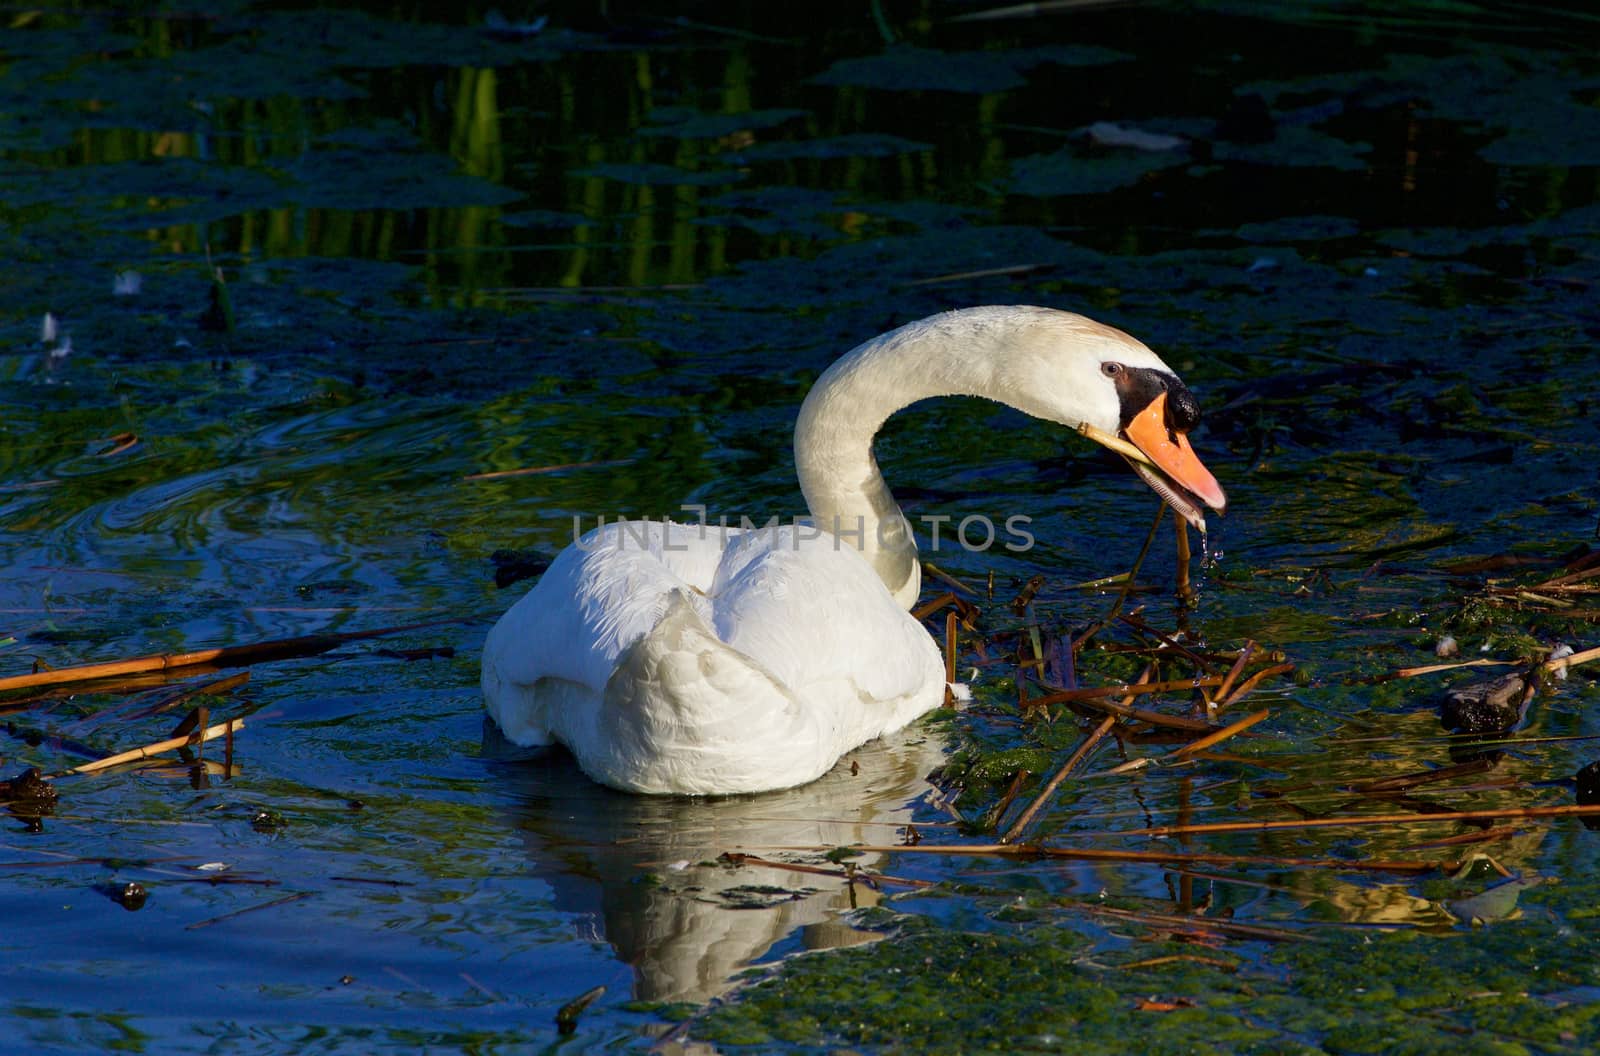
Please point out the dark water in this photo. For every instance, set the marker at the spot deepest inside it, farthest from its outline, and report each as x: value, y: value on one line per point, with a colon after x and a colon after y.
x: 631, y: 239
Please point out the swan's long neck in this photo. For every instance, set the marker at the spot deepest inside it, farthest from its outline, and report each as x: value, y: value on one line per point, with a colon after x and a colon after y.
x: 956, y: 353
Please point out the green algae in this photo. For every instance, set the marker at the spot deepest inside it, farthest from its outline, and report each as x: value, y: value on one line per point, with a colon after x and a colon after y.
x: 1036, y: 988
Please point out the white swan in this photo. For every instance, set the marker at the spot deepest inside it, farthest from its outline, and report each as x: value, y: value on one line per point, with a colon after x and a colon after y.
x: 672, y: 658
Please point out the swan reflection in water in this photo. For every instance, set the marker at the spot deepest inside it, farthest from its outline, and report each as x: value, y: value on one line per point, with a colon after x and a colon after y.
x: 644, y: 869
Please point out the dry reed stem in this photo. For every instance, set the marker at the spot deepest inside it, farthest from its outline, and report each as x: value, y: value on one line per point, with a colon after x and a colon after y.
x: 1145, y: 715
x: 1184, y: 588
x: 1485, y: 836
x: 1079, y: 754
x: 119, y: 443
x: 1234, y: 672
x: 1253, y: 681
x: 1196, y: 925
x: 1576, y: 658
x: 998, y: 811
x: 1221, y: 735
x: 1570, y: 578
x: 947, y: 579
x: 1169, y: 642
x: 1133, y: 576
x: 168, y: 745
x: 1063, y: 696
x: 1412, y: 672
x: 1548, y: 665
x: 981, y: 273
x: 932, y: 605
x: 1416, y: 779
x: 529, y: 471
x: 226, y: 656
x: 285, y: 900
x: 1363, y: 822
x: 1033, y: 850
x: 950, y: 639
x: 1177, y: 958
x: 1115, y: 443
x: 1092, y: 697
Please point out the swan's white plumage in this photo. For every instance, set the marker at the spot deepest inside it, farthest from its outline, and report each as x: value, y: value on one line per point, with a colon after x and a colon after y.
x: 670, y: 662
x: 687, y: 659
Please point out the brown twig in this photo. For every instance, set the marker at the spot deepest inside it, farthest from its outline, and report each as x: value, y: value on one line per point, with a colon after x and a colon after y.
x: 1077, y: 757
x: 1180, y: 958
x: 1063, y: 696
x: 982, y: 273
x: 118, y: 444
x: 227, y: 656
x: 946, y: 578
x: 285, y: 900
x: 1362, y: 822
x: 1196, y: 924
x: 1234, y: 671
x: 1221, y: 735
x: 1033, y: 850
x: 1145, y: 715
x: 1185, y: 589
x: 1133, y: 576
x: 950, y: 640
x: 1412, y: 672
x: 1582, y: 657
x: 998, y: 811
x: 1253, y: 681
x: 168, y: 745
x: 499, y: 474
x: 1406, y: 782
x: 932, y: 605
x: 1025, y: 596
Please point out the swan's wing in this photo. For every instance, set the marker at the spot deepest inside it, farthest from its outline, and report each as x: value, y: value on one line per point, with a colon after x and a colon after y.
x: 811, y: 610
x: 756, y: 677
x: 599, y: 596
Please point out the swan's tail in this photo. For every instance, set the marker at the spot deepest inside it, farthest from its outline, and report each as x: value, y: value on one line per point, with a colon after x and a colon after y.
x: 684, y: 712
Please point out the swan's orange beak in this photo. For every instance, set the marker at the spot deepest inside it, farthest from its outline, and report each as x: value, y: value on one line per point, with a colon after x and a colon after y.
x: 1171, y: 453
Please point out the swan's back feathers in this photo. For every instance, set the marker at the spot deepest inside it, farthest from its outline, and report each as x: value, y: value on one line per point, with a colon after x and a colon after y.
x: 670, y: 662
x: 798, y: 602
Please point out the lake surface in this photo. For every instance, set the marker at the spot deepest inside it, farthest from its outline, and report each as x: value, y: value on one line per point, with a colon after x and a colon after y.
x: 616, y: 248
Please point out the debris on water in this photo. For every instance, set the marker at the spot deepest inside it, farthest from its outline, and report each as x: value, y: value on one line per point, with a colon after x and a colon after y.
x: 131, y: 896
x: 1111, y: 134
x: 268, y: 821
x: 1553, y: 664
x: 567, y: 1016
x: 29, y: 792
x: 1496, y: 903
x: 1486, y: 706
x: 1446, y: 648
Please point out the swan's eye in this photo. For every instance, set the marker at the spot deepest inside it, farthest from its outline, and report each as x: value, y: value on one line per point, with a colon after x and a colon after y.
x: 1111, y: 370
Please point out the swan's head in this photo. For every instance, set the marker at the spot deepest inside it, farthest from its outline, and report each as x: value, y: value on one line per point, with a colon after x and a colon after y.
x: 1069, y: 369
